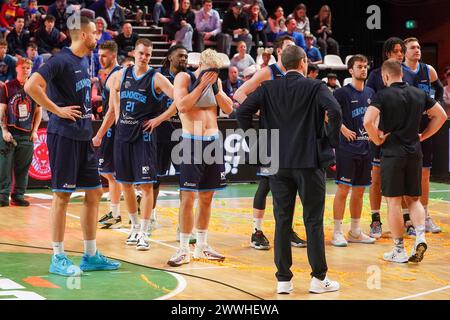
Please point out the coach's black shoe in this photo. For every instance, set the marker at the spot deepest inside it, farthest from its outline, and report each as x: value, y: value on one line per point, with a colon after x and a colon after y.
x: 19, y: 202
x: 296, y: 241
x: 106, y: 217
x: 259, y: 241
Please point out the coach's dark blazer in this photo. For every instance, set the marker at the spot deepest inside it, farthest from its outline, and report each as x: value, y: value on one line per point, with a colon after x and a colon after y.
x: 296, y: 106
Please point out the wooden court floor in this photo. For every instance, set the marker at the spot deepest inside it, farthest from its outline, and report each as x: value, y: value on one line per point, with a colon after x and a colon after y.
x: 245, y: 274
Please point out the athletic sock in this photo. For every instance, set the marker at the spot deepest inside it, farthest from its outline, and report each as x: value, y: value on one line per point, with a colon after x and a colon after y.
x: 376, y: 215
x: 355, y: 227
x: 153, y: 216
x: 420, y: 234
x: 337, y: 226
x: 145, y: 224
x: 90, y: 247
x: 257, y: 224
x: 58, y: 247
x: 184, y: 240
x: 134, y: 219
x: 115, y: 209
x: 399, y: 244
x: 202, y: 237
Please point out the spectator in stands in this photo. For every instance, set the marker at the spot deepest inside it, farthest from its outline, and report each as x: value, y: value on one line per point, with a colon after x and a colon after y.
x: 49, y: 39
x: 302, y: 20
x: 241, y: 59
x: 159, y: 12
x: 447, y: 89
x: 321, y: 28
x: 33, y: 17
x: 32, y: 54
x: 182, y: 27
x: 260, y: 3
x: 313, y: 71
x: 126, y: 41
x: 314, y: 56
x: 207, y: 22
x: 332, y: 83
x: 291, y: 24
x: 257, y: 25
x: 113, y: 15
x: 126, y: 62
x: 18, y: 38
x: 60, y: 11
x: 249, y: 72
x: 100, y: 32
x: 266, y: 55
x: 9, y: 11
x: 276, y: 24
x: 233, y: 82
x: 7, y: 63
x: 235, y: 27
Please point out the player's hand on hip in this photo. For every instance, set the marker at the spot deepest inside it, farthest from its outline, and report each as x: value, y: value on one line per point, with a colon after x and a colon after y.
x: 382, y: 138
x: 70, y: 112
x: 151, y: 124
x: 348, y: 134
x: 7, y: 136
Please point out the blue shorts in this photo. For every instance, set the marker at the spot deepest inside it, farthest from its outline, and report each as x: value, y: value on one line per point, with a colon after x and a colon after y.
x: 73, y: 164
x: 164, y: 147
x: 105, y: 153
x: 135, y: 162
x: 353, y: 170
x: 195, y: 173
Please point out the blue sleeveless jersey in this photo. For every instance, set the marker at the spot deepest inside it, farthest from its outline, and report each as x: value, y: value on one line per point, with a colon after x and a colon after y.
x: 69, y: 84
x: 276, y: 71
x: 138, y: 103
x: 105, y: 91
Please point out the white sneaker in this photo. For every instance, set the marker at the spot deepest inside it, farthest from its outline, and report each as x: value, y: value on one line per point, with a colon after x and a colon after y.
x: 430, y: 226
x: 396, y: 255
x: 417, y: 252
x: 143, y: 244
x: 285, y: 287
x: 362, y: 238
x: 339, y: 240
x: 322, y: 286
x: 206, y: 252
x: 182, y: 256
x: 154, y: 221
x: 133, y: 236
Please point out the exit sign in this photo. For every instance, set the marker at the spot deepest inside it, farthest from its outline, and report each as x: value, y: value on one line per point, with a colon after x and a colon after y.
x: 411, y: 24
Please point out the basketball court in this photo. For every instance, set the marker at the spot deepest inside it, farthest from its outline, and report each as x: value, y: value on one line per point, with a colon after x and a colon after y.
x: 246, y: 274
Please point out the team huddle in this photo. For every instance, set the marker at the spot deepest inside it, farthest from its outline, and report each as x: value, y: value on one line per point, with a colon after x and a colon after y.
x: 135, y: 146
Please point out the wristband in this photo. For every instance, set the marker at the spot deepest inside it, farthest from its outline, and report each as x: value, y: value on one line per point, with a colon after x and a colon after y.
x: 215, y: 88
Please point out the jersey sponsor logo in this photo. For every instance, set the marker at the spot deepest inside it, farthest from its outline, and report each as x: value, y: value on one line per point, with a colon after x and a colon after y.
x: 189, y: 184
x: 145, y: 169
x: 83, y: 83
x: 345, y: 179
x: 222, y: 175
x: 40, y: 165
x: 133, y: 95
x: 359, y: 112
x: 362, y: 134
x: 69, y: 186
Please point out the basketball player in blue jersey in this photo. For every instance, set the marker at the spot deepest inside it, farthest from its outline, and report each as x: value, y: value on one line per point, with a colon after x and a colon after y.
x: 393, y: 48
x: 104, y: 138
x: 199, y: 175
x: 138, y: 90
x: 353, y: 162
x: 63, y: 87
x: 272, y: 72
x: 424, y: 77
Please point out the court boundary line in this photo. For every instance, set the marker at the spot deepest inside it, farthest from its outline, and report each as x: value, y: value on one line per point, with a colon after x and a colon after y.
x: 424, y: 293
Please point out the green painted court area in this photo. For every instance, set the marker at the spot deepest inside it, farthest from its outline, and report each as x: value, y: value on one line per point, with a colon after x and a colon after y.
x: 30, y: 270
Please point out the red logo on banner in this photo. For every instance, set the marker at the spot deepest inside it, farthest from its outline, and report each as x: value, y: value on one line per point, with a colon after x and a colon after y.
x: 40, y: 166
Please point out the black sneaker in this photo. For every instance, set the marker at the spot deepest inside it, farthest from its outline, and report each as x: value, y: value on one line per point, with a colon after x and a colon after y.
x: 259, y: 241
x: 113, y: 223
x: 106, y: 217
x: 19, y: 202
x: 296, y: 241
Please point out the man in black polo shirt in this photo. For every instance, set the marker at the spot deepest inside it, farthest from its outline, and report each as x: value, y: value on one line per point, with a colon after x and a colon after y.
x: 399, y: 109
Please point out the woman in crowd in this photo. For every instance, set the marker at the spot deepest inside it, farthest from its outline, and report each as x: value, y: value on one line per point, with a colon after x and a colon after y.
x: 321, y: 28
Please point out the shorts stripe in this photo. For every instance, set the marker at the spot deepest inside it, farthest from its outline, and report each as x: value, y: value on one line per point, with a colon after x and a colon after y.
x: 201, y: 190
x: 351, y: 185
x: 138, y: 182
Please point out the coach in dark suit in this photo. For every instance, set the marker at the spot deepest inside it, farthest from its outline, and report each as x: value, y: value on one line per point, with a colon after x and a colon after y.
x: 296, y: 107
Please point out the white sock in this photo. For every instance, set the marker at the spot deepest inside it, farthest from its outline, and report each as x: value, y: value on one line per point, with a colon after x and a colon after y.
x: 202, y: 237
x: 90, y: 247
x: 115, y: 209
x: 145, y: 224
x: 153, y: 216
x: 337, y: 226
x: 58, y: 247
x: 134, y: 219
x: 257, y: 224
x: 355, y: 228
x: 420, y: 234
x: 184, y: 240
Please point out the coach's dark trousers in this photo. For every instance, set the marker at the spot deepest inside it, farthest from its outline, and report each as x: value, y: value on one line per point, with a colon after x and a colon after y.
x: 310, y: 185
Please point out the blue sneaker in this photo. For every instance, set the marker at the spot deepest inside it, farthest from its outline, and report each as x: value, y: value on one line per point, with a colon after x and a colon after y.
x: 63, y: 266
x: 98, y: 262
